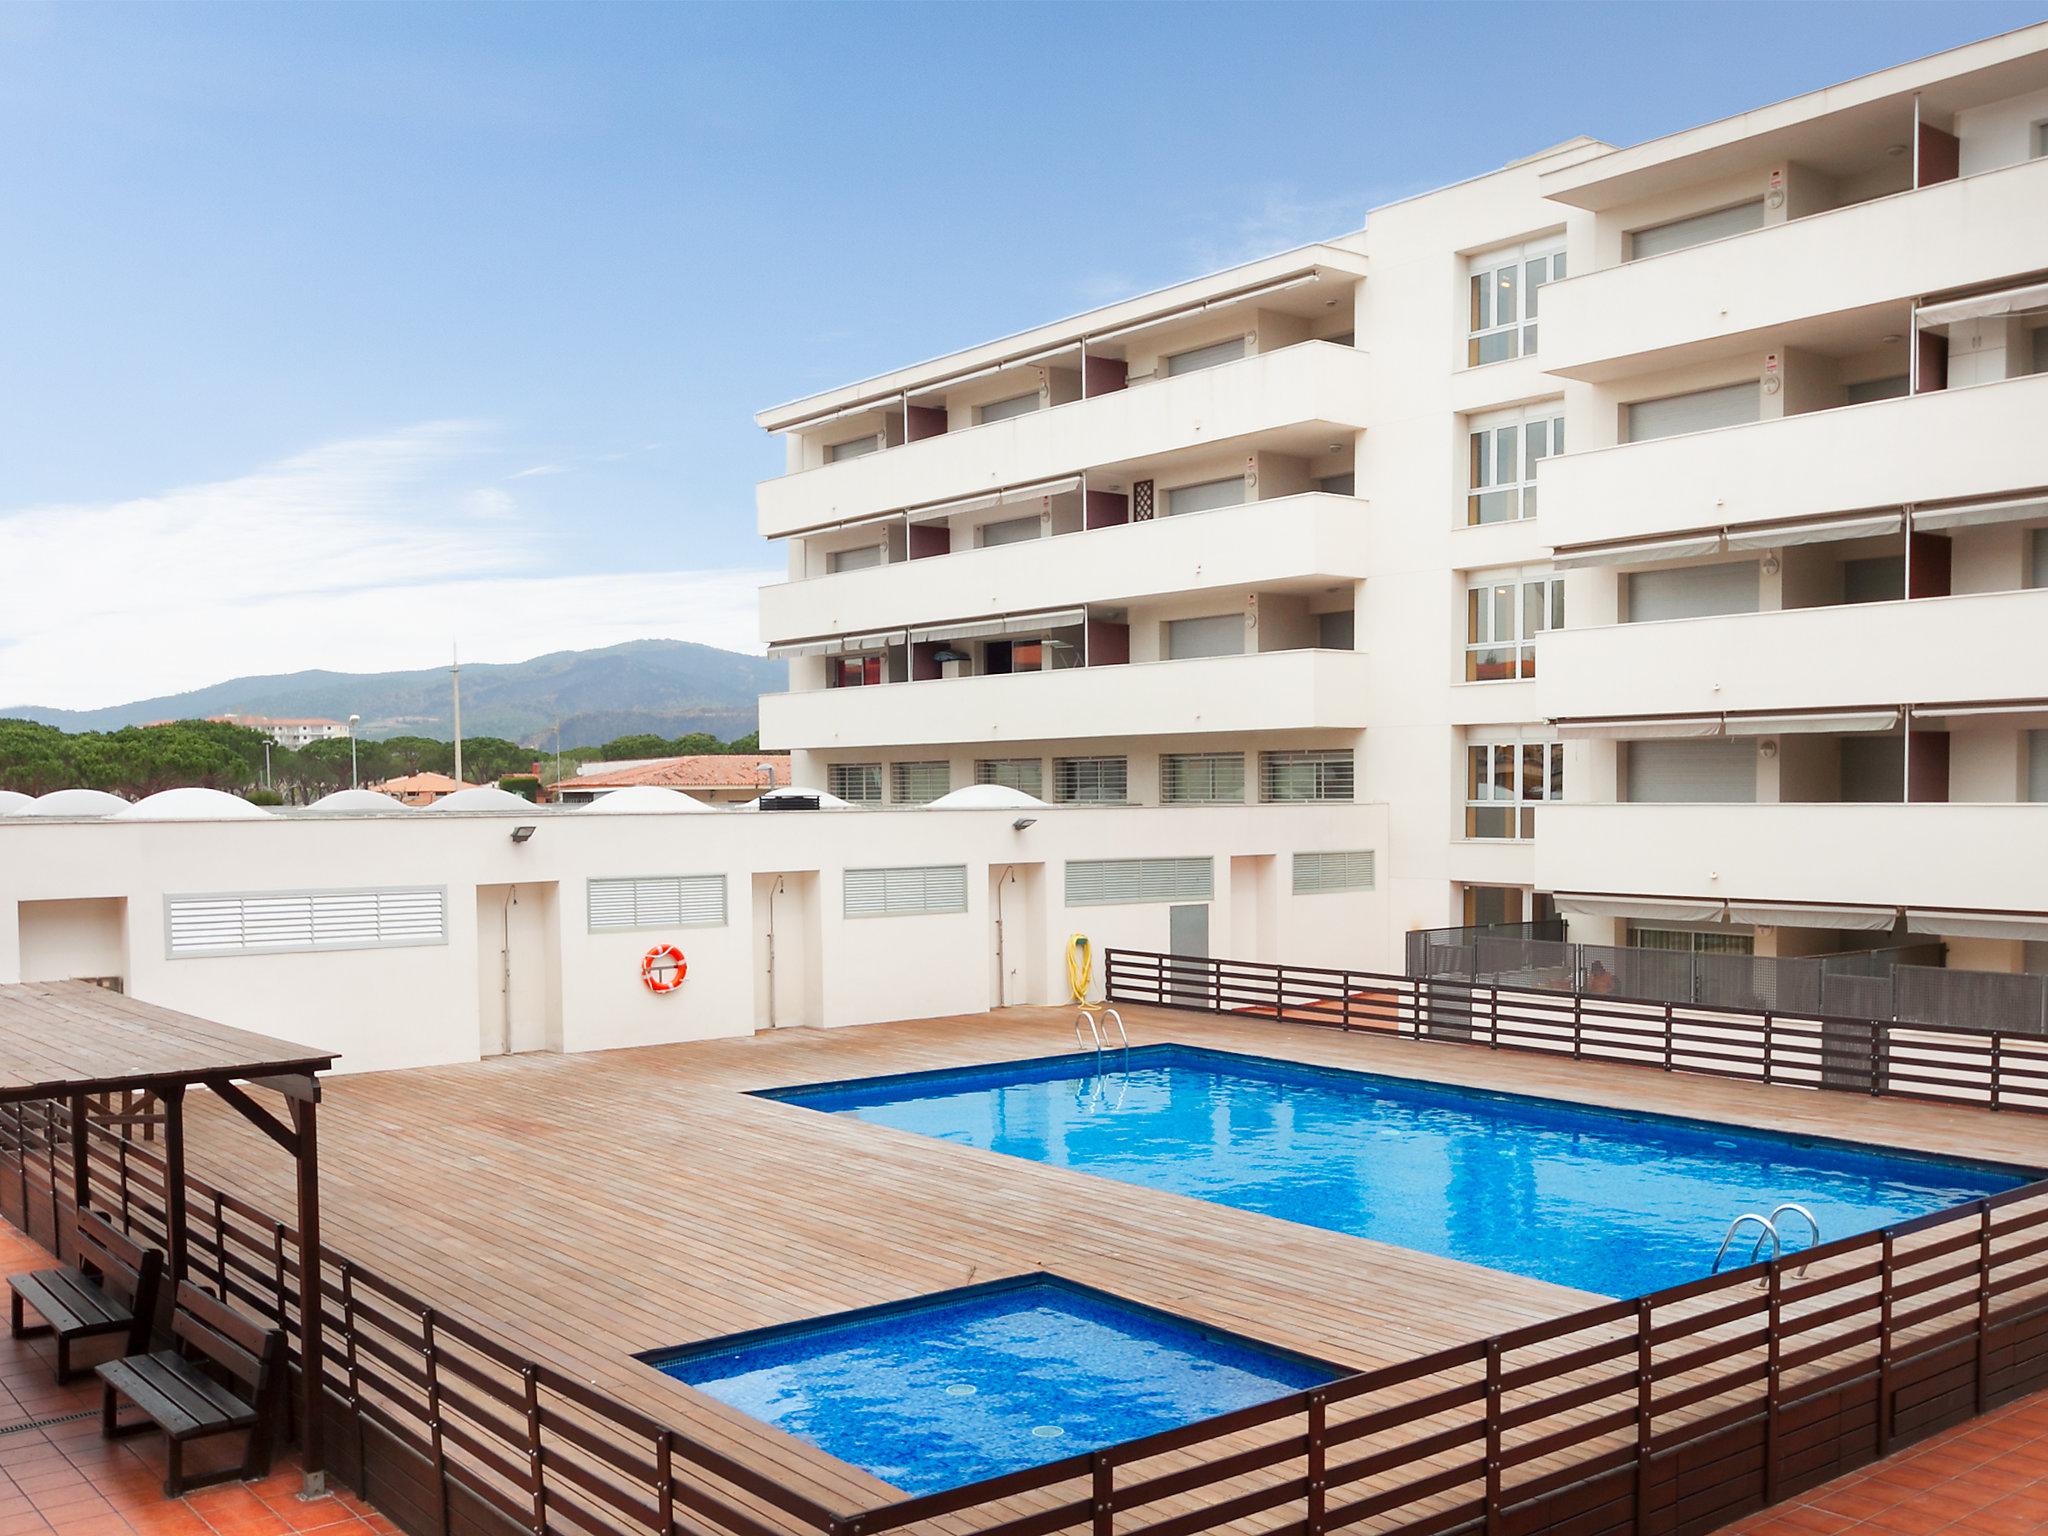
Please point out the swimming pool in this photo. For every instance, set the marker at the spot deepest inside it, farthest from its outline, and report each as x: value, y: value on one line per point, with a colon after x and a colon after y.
x: 1614, y: 1203
x: 949, y: 1389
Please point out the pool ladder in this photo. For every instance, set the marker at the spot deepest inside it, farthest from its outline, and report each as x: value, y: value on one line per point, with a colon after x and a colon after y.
x: 1767, y: 1227
x: 1095, y: 1018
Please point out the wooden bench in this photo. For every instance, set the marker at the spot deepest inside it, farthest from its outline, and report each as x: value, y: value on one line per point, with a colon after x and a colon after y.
x: 183, y: 1392
x: 113, y: 1291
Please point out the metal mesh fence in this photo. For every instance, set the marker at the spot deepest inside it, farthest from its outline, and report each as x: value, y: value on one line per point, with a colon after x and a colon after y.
x: 1863, y: 984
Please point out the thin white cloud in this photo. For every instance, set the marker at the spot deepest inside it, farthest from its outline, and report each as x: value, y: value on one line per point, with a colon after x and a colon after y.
x: 533, y: 470
x: 1281, y: 219
x: 361, y: 555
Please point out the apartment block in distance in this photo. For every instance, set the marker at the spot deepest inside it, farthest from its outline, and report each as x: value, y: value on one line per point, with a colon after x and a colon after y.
x: 1659, y: 534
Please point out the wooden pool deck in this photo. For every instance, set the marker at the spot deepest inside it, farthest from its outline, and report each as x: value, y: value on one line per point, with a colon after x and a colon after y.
x: 586, y: 1208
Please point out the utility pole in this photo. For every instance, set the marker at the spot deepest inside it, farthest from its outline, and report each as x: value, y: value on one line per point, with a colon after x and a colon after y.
x: 455, y: 676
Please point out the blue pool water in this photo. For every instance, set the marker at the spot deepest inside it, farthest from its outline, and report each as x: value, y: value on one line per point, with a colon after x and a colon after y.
x: 950, y: 1389
x: 1614, y: 1203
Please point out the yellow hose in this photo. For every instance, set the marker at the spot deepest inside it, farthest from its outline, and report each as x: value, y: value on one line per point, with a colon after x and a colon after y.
x: 1080, y: 967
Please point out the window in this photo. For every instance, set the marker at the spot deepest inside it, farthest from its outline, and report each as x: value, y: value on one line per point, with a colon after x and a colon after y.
x: 919, y: 783
x: 1321, y: 874
x: 1691, y: 592
x: 860, y: 783
x: 925, y: 890
x: 1691, y: 941
x: 1209, y: 496
x: 2037, y: 558
x: 1701, y: 410
x: 1503, y: 617
x: 2037, y: 765
x: 1505, y: 781
x: 1003, y: 410
x: 1298, y: 776
x: 1215, y: 355
x: 1875, y: 389
x: 657, y: 901
x: 1711, y: 771
x: 1219, y: 635
x: 1339, y: 485
x: 1698, y: 229
x: 2040, y: 141
x: 1505, y: 449
x: 1090, y: 780
x: 1020, y: 773
x: 300, y: 920
x: 853, y: 671
x: 1201, y: 778
x: 1113, y: 882
x: 1013, y: 530
x: 853, y: 448
x: 1505, y: 287
x: 1337, y: 631
x: 864, y: 558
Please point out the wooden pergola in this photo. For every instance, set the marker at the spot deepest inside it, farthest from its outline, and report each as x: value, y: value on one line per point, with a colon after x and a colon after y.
x: 72, y: 1041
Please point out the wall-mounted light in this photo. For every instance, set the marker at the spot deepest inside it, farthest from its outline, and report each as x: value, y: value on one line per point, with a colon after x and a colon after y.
x: 1022, y: 822
x: 1767, y: 748
x: 521, y: 834
x: 1771, y: 566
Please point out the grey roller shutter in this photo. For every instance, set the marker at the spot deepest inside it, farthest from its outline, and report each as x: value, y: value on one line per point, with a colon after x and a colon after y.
x: 1660, y: 239
x: 1732, y: 405
x: 1693, y: 592
x: 1713, y: 771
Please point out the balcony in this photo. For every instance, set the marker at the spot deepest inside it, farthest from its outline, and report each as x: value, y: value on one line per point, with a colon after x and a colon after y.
x: 1976, y: 646
x: 1979, y: 441
x: 1315, y: 388
x: 1925, y: 855
x: 1263, y: 543
x: 1766, y: 284
x: 1269, y: 691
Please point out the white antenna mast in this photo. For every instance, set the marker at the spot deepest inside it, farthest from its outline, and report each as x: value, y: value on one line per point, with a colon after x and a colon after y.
x: 455, y: 678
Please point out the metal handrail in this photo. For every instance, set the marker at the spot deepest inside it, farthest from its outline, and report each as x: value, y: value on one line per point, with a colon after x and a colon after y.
x: 1811, y: 1220
x: 1770, y: 1230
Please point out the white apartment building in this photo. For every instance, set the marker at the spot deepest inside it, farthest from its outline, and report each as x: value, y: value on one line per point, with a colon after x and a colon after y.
x: 292, y: 732
x: 1659, y: 534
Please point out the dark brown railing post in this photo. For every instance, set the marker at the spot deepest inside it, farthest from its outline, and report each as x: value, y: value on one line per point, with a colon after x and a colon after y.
x: 1317, y: 1466
x: 1344, y: 1007
x: 1645, y: 1409
x: 1493, y: 1020
x: 1493, y: 1437
x: 355, y: 1391
x: 1102, y: 1495
x: 1771, y: 1383
x: 1578, y: 1026
x: 1670, y: 1032
x: 1997, y: 1062
x: 436, y: 1450
x: 1884, y: 1345
x: 1983, y: 1302
x: 1770, y: 1043
x: 665, y: 1480
x: 536, y: 1468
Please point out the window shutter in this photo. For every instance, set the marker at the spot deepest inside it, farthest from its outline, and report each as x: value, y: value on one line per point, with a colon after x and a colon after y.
x: 1318, y: 874
x: 1732, y: 405
x: 910, y: 891
x: 1712, y: 771
x: 1660, y: 239
x: 1115, y: 882
x: 1692, y: 592
x: 657, y: 901
x: 279, y: 922
x: 1299, y: 776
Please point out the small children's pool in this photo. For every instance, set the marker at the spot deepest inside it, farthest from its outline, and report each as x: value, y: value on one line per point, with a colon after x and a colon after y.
x: 949, y: 1389
x: 1614, y: 1203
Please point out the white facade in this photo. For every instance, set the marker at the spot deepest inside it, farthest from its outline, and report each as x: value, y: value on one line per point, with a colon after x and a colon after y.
x: 1738, y: 431
x: 414, y: 937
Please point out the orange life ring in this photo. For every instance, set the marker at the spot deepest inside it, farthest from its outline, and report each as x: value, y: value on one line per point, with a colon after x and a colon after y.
x: 663, y: 968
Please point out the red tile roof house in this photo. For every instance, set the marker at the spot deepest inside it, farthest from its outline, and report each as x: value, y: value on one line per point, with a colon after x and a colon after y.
x: 717, y: 778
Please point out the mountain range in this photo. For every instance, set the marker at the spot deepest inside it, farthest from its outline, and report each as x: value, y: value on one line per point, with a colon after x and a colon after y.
x: 668, y: 687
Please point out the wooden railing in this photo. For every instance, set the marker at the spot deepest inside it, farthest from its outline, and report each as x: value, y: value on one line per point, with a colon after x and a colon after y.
x: 1989, y: 1069
x: 1671, y: 1413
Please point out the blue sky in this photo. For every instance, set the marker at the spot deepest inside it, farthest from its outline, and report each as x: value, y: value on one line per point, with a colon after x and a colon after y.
x: 337, y: 333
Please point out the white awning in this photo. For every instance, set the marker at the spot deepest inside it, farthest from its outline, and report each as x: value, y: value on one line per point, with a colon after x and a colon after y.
x: 1799, y: 914
x: 2007, y: 301
x: 2013, y: 509
x: 2030, y: 927
x: 1195, y: 309
x: 2030, y: 714
x: 1832, y: 722
x: 1641, y: 729
x: 1819, y: 531
x: 1665, y: 909
x: 1035, y: 491
x: 1639, y: 552
x: 1007, y: 624
x: 836, y: 645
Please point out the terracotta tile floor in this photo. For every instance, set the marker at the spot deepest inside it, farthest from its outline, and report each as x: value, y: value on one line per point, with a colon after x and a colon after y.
x: 62, y: 1479
x: 1985, y: 1478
